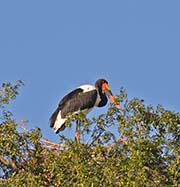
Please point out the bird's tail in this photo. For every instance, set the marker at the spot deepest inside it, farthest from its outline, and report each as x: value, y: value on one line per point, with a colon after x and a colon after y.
x: 53, y: 117
x: 56, y: 122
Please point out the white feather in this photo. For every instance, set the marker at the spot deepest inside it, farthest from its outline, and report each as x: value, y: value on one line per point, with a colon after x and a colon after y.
x: 87, y: 88
x: 59, y: 122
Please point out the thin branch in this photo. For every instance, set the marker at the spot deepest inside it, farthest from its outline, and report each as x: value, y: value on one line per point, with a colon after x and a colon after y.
x: 23, y: 125
x: 8, y: 163
x: 51, y: 145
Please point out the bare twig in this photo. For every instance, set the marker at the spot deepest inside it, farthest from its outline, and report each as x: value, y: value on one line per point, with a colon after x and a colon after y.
x: 23, y: 125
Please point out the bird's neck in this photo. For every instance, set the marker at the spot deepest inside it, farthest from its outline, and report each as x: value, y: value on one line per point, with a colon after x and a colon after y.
x: 103, y: 101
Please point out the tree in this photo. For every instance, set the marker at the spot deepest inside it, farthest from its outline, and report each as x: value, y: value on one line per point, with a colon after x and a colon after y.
x: 143, y: 150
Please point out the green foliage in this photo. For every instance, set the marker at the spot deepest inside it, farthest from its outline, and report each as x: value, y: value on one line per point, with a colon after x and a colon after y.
x: 8, y: 93
x: 137, y: 146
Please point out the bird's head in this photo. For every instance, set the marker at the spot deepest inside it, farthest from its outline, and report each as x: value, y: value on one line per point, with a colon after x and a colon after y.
x: 103, y: 87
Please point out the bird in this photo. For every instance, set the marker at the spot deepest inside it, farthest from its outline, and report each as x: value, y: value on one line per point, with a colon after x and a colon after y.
x: 82, y: 99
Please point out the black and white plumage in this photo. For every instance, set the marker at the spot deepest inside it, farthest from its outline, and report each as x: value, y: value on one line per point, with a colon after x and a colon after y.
x: 81, y: 99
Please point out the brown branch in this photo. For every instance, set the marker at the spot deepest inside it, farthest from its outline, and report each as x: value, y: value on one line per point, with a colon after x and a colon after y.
x: 46, y: 143
x: 122, y: 140
x: 8, y: 163
x: 51, y: 145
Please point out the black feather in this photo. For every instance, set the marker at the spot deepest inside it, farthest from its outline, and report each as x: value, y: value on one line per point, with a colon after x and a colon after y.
x: 69, y: 96
x: 76, y: 100
x: 84, y: 100
x: 72, y: 94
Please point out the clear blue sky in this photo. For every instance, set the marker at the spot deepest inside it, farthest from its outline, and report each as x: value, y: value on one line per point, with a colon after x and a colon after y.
x: 55, y: 46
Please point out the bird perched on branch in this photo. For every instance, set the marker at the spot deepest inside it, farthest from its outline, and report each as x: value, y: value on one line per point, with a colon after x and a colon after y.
x: 82, y: 99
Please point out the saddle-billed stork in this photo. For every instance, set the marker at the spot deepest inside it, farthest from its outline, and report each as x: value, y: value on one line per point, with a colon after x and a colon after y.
x: 81, y: 99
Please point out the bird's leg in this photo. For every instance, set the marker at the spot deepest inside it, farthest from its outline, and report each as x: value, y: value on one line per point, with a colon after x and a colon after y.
x: 122, y: 140
x: 77, y: 136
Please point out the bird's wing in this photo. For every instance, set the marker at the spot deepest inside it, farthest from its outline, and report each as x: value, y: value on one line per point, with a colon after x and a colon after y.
x: 77, y: 102
x: 69, y: 96
x: 62, y: 103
